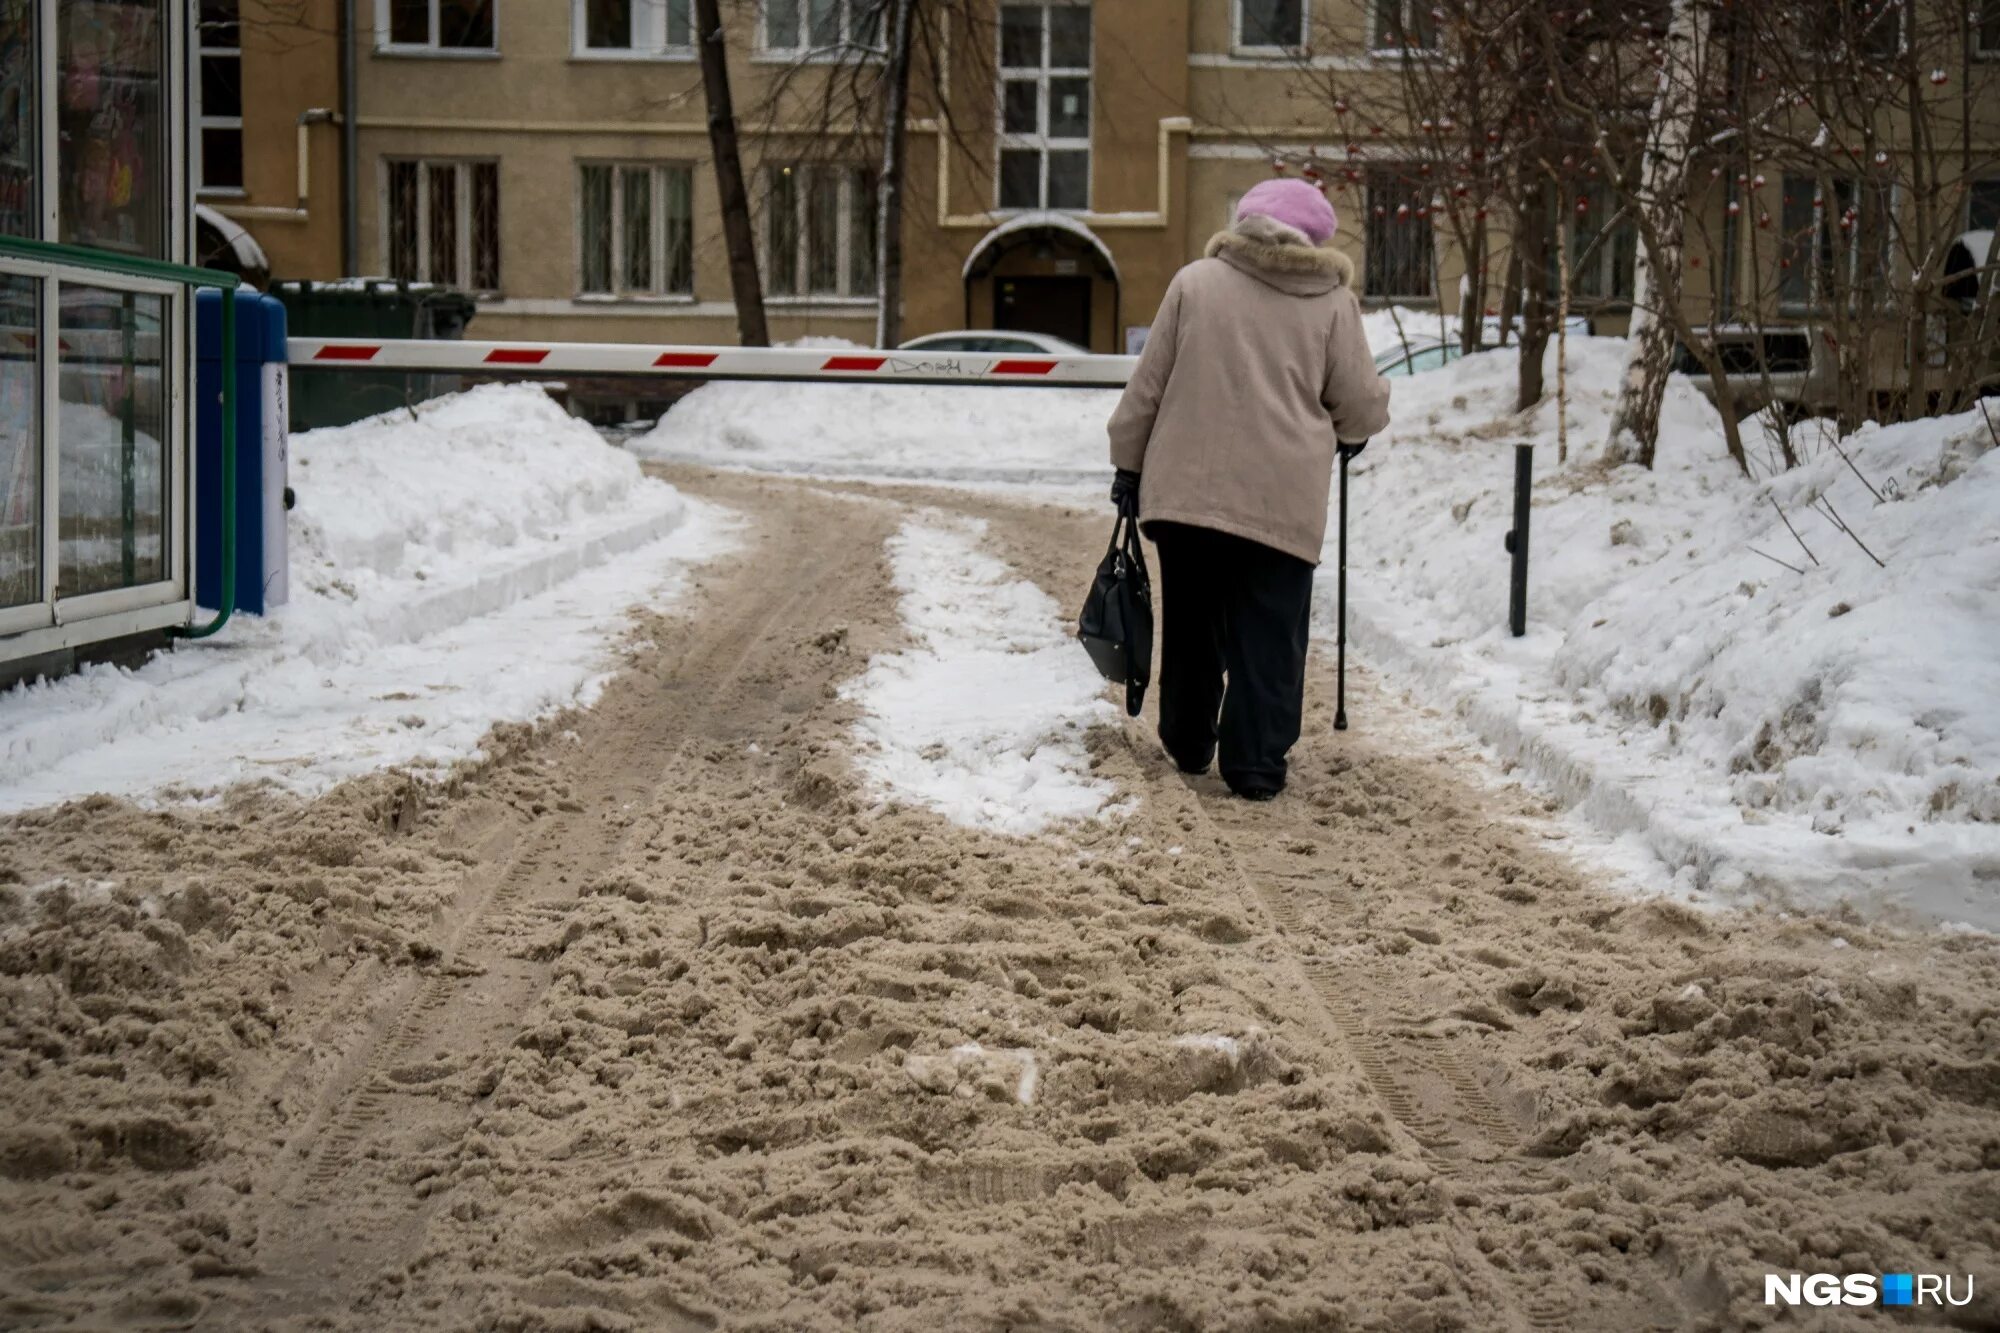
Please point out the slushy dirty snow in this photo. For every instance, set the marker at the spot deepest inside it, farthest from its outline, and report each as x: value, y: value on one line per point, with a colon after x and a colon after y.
x: 466, y: 566
x: 1805, y: 736
x: 982, y: 717
x: 656, y: 1020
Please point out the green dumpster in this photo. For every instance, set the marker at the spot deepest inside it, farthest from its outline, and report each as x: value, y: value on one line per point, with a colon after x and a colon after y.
x: 368, y: 308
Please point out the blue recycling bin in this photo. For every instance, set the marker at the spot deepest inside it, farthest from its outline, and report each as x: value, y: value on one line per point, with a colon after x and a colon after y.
x: 261, y: 446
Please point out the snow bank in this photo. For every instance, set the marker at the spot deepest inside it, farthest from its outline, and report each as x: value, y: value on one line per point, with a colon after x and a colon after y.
x: 896, y: 432
x: 1805, y: 735
x: 449, y: 570
x: 982, y: 718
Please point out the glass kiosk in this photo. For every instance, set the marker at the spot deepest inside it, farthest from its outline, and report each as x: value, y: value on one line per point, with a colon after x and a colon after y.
x: 95, y: 298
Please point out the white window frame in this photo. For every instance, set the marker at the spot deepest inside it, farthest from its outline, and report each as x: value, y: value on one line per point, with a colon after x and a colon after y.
x: 1043, y: 74
x: 657, y: 173
x: 463, y: 187
x: 1377, y: 39
x: 805, y: 53
x: 1264, y: 50
x: 383, y: 46
x: 203, y: 121
x: 1602, y: 265
x: 648, y: 35
x: 801, y: 295
x: 1818, y: 301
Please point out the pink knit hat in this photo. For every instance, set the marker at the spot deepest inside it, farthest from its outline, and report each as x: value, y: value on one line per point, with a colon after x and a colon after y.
x: 1295, y: 203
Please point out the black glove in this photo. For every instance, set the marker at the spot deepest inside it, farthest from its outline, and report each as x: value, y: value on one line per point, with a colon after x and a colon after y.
x: 1350, y: 452
x: 1125, y: 491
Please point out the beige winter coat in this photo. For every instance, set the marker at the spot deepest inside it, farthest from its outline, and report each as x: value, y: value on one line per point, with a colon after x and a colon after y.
x: 1255, y: 367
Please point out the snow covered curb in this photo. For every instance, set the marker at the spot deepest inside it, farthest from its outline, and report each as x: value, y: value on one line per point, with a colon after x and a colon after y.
x: 981, y: 719
x: 1818, y: 737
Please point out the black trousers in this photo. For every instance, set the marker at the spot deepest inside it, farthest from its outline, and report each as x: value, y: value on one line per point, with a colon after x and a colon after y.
x: 1238, y: 609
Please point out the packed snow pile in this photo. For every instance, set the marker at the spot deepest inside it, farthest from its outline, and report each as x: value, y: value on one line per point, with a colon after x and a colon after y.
x: 1773, y: 712
x: 451, y: 569
x: 927, y: 432
x: 982, y: 717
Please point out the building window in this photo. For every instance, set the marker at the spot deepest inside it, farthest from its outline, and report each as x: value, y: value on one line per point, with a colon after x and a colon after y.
x: 1986, y: 30
x: 444, y: 223
x: 635, y: 27
x: 1603, y: 247
x: 1982, y: 207
x: 219, y: 98
x: 1271, y: 25
x: 1835, y: 243
x: 1399, y: 242
x: 811, y: 27
x: 819, y: 230
x: 435, y: 25
x: 1045, y: 106
x: 1403, y: 25
x: 636, y: 225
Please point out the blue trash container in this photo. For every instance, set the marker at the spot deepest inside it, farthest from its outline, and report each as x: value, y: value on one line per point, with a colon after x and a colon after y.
x: 261, y: 446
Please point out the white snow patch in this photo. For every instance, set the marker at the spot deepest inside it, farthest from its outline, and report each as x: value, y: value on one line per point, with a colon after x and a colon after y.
x: 469, y: 566
x: 982, y: 718
x: 1229, y: 1048
x: 966, y: 1070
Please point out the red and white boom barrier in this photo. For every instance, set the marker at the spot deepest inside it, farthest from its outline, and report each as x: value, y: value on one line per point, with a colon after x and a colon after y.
x: 709, y: 363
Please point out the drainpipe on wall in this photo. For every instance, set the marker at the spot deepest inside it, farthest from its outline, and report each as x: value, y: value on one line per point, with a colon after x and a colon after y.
x: 350, y: 158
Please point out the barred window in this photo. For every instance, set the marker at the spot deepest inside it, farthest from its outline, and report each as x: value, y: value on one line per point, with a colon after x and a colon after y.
x: 444, y: 223
x: 636, y: 228
x: 819, y: 230
x: 1400, y: 241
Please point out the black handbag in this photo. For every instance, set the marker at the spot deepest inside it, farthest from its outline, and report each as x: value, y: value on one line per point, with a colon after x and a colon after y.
x: 1116, y: 624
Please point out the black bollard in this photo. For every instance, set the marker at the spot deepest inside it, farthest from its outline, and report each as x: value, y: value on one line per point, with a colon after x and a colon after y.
x: 1517, y: 540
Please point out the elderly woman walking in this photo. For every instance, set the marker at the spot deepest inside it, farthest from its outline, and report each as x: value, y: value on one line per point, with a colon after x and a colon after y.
x: 1255, y: 377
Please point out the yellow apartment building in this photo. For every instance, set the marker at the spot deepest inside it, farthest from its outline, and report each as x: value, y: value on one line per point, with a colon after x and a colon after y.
x: 552, y: 157
x: 266, y: 132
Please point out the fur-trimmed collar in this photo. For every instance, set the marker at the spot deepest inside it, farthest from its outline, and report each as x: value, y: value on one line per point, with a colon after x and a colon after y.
x: 1281, y: 256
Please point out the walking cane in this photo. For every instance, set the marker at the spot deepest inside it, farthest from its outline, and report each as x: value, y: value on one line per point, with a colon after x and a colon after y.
x: 1340, y: 636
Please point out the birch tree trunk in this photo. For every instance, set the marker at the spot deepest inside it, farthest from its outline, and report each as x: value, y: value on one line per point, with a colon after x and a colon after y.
x: 745, y: 284
x: 1663, y: 198
x: 889, y: 189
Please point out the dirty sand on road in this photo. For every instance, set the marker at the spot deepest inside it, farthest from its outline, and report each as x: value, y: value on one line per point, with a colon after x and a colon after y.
x: 651, y: 1021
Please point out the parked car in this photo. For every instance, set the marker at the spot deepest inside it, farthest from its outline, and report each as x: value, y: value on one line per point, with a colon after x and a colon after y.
x: 1767, y: 366
x: 998, y: 341
x: 1423, y: 352
x: 1413, y: 358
